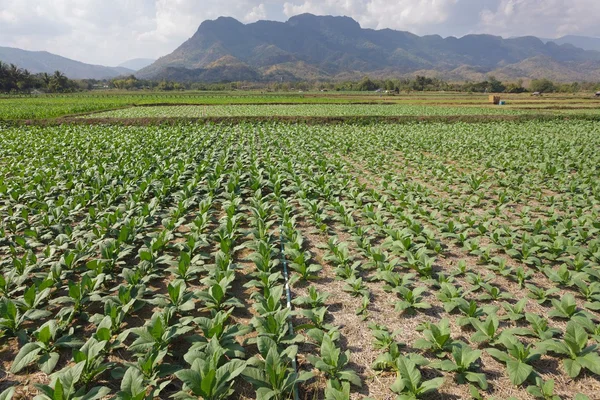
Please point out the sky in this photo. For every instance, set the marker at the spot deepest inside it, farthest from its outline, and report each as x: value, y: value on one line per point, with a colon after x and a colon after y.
x: 109, y: 32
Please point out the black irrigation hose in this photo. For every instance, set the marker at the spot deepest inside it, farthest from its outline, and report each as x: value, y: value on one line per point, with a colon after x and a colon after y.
x: 288, y: 295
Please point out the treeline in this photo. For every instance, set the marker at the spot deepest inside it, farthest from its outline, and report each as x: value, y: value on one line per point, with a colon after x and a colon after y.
x: 17, y: 80
x: 419, y: 83
x: 490, y: 85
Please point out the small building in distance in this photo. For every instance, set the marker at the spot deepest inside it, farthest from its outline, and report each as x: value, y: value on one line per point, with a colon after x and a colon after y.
x: 536, y: 94
x: 597, y: 94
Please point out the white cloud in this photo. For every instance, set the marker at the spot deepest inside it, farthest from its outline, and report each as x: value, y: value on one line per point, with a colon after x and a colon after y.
x: 401, y: 14
x: 181, y: 18
x: 546, y: 18
x: 257, y: 13
x: 111, y: 31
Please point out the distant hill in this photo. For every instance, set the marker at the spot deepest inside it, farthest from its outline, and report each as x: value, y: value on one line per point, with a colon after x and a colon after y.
x: 583, y: 42
x: 42, y: 61
x: 309, y: 47
x: 137, y: 63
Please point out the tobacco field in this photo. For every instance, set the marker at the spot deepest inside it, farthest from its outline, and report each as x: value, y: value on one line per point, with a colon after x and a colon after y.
x: 423, y: 261
x: 304, y: 110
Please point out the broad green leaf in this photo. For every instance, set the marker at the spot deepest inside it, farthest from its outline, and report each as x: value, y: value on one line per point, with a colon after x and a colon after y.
x: 132, y: 381
x: 518, y: 371
x: 7, y: 394
x: 48, y: 362
x: 499, y: 355
x: 409, y: 373
x: 573, y: 367
x: 27, y: 355
x: 96, y: 393
x: 192, y: 379
x: 431, y: 385
x: 477, y: 377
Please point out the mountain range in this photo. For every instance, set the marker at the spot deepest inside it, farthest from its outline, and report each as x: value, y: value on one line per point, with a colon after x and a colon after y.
x: 309, y: 47
x: 584, y: 42
x: 42, y: 61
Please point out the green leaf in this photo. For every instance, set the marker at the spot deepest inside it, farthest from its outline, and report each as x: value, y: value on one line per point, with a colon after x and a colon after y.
x: 48, y: 362
x: 350, y: 376
x: 304, y: 376
x: 576, y: 333
x: 499, y: 355
x: 59, y: 393
x: 27, y: 355
x: 103, y: 334
x: 45, y: 334
x: 431, y: 385
x: 191, y: 379
x: 446, y: 365
x: 518, y: 371
x: 573, y: 367
x: 96, y: 393
x: 216, y: 291
x: 207, y: 382
x: 132, y: 382
x: 7, y: 394
x: 591, y: 361
x: 399, y: 385
x: 474, y: 393
x: 157, y: 329
x: 477, y: 377
x: 230, y: 371
x: 409, y: 372
x: 265, y: 394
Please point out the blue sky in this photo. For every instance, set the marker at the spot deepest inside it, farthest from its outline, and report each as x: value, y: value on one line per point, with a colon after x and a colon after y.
x: 111, y: 31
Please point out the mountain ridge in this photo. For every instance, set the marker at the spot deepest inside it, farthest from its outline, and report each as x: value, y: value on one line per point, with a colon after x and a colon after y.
x: 310, y: 47
x: 136, y: 64
x: 43, y: 61
x: 583, y: 42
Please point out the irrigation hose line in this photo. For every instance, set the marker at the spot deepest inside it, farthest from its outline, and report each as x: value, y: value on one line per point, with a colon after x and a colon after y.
x: 288, y: 295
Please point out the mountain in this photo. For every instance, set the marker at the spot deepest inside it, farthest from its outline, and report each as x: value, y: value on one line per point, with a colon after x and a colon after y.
x: 309, y: 47
x: 583, y: 42
x: 42, y: 61
x: 137, y: 63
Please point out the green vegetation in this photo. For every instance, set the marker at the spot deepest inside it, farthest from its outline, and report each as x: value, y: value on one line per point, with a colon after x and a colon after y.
x: 52, y: 106
x: 17, y: 80
x: 302, y: 110
x: 150, y: 262
x: 48, y: 106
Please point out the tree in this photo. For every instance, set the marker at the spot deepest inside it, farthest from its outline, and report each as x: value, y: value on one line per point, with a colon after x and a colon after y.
x: 14, y: 79
x: 367, y: 85
x: 495, y: 86
x: 165, y: 85
x: 59, y: 83
x: 46, y: 79
x: 515, y: 87
x: 542, y: 86
x: 421, y: 82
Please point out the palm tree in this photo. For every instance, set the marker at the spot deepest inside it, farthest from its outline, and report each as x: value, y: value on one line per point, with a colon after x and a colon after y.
x: 46, y: 79
x: 58, y: 82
